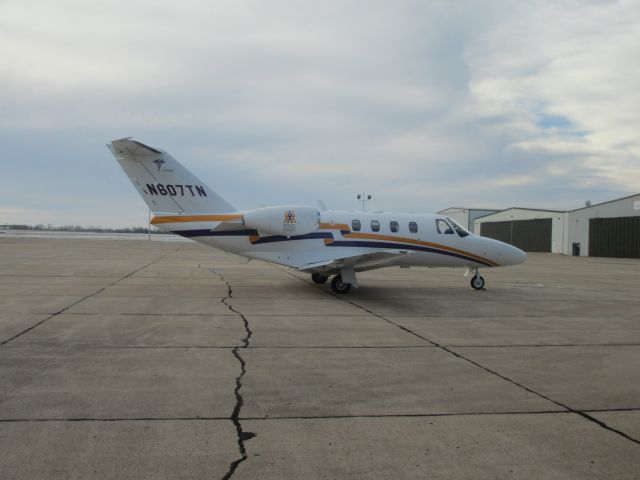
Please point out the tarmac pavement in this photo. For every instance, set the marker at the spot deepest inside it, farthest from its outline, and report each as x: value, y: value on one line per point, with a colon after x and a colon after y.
x: 134, y: 359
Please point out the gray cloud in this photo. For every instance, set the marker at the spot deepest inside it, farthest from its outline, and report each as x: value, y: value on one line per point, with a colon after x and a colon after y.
x: 425, y: 104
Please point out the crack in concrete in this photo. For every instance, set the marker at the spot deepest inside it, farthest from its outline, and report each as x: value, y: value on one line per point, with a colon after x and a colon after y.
x: 241, y: 435
x: 568, y: 408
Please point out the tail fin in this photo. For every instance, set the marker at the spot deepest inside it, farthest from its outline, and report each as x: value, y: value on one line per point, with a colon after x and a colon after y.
x: 163, y: 183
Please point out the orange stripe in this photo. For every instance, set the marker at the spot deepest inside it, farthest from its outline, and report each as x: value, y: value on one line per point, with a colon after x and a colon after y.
x: 195, y: 218
x: 335, y: 226
x: 374, y: 236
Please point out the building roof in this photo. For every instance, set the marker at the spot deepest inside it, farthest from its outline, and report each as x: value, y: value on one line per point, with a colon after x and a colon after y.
x: 523, y: 208
x: 494, y: 211
x: 467, y: 208
x: 608, y: 201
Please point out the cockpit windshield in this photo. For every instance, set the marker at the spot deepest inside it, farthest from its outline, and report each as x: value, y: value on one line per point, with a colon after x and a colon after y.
x: 461, y: 231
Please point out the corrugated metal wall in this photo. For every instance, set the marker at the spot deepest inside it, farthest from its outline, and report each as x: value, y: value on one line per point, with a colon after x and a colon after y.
x: 498, y: 230
x: 614, y: 237
x: 528, y: 235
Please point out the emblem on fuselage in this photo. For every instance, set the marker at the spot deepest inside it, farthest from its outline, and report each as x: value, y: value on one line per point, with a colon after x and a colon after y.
x: 289, y: 222
x: 290, y: 216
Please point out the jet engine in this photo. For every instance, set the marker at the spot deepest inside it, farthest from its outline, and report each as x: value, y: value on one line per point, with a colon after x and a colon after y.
x: 287, y: 220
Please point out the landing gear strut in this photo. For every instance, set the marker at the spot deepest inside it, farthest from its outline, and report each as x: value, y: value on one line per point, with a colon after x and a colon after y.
x: 477, y: 282
x: 338, y: 286
x: 319, y: 278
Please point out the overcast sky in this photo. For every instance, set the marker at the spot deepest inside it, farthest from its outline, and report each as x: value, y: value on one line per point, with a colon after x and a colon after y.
x: 424, y: 104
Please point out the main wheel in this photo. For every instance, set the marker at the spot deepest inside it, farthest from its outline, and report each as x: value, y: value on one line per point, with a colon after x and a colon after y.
x: 477, y: 282
x: 319, y: 278
x: 338, y: 286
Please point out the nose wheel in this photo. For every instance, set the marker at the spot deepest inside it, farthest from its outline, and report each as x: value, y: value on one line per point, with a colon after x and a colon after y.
x: 477, y: 282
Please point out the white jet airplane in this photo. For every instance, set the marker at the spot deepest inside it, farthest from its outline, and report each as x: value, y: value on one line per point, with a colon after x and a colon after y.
x: 317, y: 241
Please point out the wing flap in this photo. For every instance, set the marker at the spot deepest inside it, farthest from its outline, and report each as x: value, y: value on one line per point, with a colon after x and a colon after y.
x: 362, y: 261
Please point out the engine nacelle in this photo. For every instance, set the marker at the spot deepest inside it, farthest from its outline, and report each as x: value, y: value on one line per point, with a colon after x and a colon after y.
x: 287, y: 221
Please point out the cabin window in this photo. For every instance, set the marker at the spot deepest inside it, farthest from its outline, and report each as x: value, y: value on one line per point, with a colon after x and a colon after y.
x: 393, y: 226
x: 356, y: 225
x: 375, y: 226
x: 460, y: 230
x: 443, y: 227
x: 413, y: 227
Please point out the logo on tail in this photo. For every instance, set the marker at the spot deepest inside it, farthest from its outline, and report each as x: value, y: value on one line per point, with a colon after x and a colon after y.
x: 159, y: 163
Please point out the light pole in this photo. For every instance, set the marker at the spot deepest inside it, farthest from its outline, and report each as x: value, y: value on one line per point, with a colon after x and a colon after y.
x: 364, y: 197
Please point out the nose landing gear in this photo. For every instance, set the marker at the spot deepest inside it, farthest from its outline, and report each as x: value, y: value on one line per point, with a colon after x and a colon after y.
x: 477, y: 282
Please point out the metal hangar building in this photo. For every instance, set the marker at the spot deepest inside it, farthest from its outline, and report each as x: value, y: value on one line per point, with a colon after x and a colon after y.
x: 607, y: 229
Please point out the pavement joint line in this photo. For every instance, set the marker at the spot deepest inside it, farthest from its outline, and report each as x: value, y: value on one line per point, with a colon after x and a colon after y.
x: 194, y: 314
x: 599, y: 410
x: 83, y: 299
x: 150, y: 314
x: 44, y: 275
x: 548, y: 345
x: 54, y: 276
x: 314, y: 417
x: 409, y: 415
x: 581, y: 413
x: 295, y: 315
x: 219, y: 347
x: 241, y: 435
x: 96, y: 419
x: 297, y: 347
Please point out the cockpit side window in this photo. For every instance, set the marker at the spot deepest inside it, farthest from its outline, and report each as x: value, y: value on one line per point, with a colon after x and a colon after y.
x: 443, y: 227
x: 356, y: 225
x: 460, y: 230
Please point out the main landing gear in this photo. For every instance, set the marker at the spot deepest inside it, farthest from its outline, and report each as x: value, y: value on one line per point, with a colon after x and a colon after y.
x: 338, y: 286
x: 340, y: 283
x: 477, y: 282
x: 319, y: 278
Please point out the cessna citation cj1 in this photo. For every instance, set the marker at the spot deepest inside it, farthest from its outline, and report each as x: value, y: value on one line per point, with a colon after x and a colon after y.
x: 320, y: 242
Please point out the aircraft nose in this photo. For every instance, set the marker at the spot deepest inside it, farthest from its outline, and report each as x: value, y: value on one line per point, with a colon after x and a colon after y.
x: 515, y: 256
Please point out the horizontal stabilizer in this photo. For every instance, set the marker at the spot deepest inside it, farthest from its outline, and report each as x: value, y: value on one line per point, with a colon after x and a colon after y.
x: 133, y: 148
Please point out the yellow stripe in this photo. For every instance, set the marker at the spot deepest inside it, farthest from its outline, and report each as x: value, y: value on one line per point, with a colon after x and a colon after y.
x: 335, y: 226
x: 373, y: 236
x: 195, y: 218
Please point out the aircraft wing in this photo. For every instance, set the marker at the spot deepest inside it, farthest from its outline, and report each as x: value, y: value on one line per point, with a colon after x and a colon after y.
x: 366, y: 261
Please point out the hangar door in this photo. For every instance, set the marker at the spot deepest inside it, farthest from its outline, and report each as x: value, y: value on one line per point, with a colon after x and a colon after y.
x: 527, y: 235
x: 614, y: 237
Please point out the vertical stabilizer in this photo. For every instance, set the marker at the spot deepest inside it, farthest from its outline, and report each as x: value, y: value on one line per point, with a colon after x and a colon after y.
x: 163, y: 183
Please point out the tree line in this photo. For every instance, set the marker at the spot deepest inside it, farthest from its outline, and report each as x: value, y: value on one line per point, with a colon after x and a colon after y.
x: 79, y: 228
